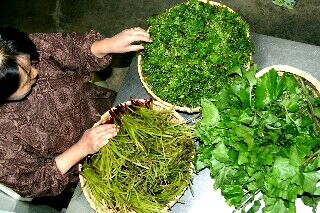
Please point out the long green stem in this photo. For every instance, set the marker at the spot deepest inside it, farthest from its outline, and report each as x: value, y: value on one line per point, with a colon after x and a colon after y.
x: 311, y: 157
x: 314, y: 118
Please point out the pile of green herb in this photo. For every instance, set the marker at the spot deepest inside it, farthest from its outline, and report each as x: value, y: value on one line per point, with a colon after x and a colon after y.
x: 146, y: 166
x: 261, y: 136
x: 194, y: 45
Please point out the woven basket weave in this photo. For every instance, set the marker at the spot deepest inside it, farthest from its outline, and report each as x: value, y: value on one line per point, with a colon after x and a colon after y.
x: 176, y: 118
x: 178, y: 108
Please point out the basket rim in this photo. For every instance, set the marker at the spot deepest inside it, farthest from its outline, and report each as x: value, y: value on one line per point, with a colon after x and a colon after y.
x: 87, y: 191
x: 145, y: 85
x: 157, y: 103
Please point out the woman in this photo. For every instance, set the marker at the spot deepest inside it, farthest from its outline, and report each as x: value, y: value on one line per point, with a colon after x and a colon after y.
x: 47, y: 104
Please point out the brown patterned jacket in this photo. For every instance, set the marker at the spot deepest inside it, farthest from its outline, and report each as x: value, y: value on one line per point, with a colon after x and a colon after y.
x: 61, y: 106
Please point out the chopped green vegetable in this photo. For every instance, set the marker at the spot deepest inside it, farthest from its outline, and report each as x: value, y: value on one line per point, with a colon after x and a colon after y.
x: 146, y: 166
x: 265, y: 140
x: 194, y: 46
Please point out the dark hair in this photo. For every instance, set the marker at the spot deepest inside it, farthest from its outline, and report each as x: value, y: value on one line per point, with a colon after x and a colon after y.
x: 12, y: 44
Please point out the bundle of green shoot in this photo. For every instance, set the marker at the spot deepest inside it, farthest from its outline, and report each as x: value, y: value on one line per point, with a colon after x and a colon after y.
x: 194, y: 45
x: 146, y: 166
x: 261, y: 137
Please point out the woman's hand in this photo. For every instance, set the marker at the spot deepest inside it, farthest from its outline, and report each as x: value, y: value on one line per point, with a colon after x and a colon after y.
x: 91, y: 141
x: 126, y: 41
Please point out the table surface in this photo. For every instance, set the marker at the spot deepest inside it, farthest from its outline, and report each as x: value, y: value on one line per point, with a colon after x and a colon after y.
x: 268, y: 51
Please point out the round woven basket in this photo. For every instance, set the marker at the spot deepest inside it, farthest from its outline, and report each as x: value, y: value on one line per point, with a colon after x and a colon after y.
x: 285, y: 68
x: 178, y: 108
x: 176, y: 118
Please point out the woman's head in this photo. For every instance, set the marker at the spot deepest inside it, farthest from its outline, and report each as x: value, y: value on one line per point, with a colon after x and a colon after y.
x: 17, y: 75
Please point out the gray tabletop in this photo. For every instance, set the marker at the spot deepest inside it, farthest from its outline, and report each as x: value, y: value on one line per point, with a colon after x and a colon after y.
x: 268, y: 51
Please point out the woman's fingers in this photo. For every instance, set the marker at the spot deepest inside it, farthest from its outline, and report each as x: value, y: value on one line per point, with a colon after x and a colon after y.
x: 140, y: 37
x: 103, y: 135
x: 106, y: 135
x: 126, y: 41
x: 135, y: 47
x: 105, y: 131
x: 104, y: 139
x: 140, y: 33
x: 137, y: 29
x: 104, y: 127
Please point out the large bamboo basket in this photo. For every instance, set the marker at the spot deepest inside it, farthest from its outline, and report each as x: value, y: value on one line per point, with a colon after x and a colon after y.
x: 176, y: 118
x: 178, y: 108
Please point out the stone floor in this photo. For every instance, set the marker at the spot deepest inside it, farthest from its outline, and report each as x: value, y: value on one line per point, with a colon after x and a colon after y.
x: 110, y: 17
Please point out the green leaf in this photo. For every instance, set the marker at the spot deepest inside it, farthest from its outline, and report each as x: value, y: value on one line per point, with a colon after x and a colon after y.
x: 250, y: 75
x: 292, y: 208
x: 222, y: 99
x: 274, y: 206
x: 281, y: 86
x: 219, y: 180
x: 309, y: 181
x: 317, y: 192
x: 311, y: 201
x: 263, y: 97
x: 221, y: 153
x: 252, y: 187
x: 203, y: 157
x: 256, y: 206
x: 295, y: 159
x: 243, y: 157
x: 247, y: 134
x: 199, y: 165
x: 210, y: 114
x: 245, y: 118
x: 313, y: 165
x: 235, y: 70
x: 216, y: 166
x: 232, y: 193
x: 271, y: 119
x: 269, y: 88
x: 283, y: 170
x: 292, y: 104
x: 296, y: 180
x: 245, y: 96
x: 209, y: 135
x: 317, y: 111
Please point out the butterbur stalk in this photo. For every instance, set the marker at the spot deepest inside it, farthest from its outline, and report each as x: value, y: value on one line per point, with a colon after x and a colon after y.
x: 146, y: 166
x: 304, y: 90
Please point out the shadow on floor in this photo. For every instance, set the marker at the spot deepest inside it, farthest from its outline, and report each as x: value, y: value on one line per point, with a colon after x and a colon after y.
x: 58, y: 202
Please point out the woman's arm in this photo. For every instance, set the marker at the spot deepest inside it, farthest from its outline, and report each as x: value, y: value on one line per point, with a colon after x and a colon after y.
x: 30, y: 174
x: 72, y: 51
x: 91, y: 142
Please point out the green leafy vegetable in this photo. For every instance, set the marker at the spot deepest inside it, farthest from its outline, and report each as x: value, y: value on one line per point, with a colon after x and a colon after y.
x: 265, y: 140
x: 194, y: 46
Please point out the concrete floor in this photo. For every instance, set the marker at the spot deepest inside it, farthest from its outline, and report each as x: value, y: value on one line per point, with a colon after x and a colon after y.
x: 110, y: 17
